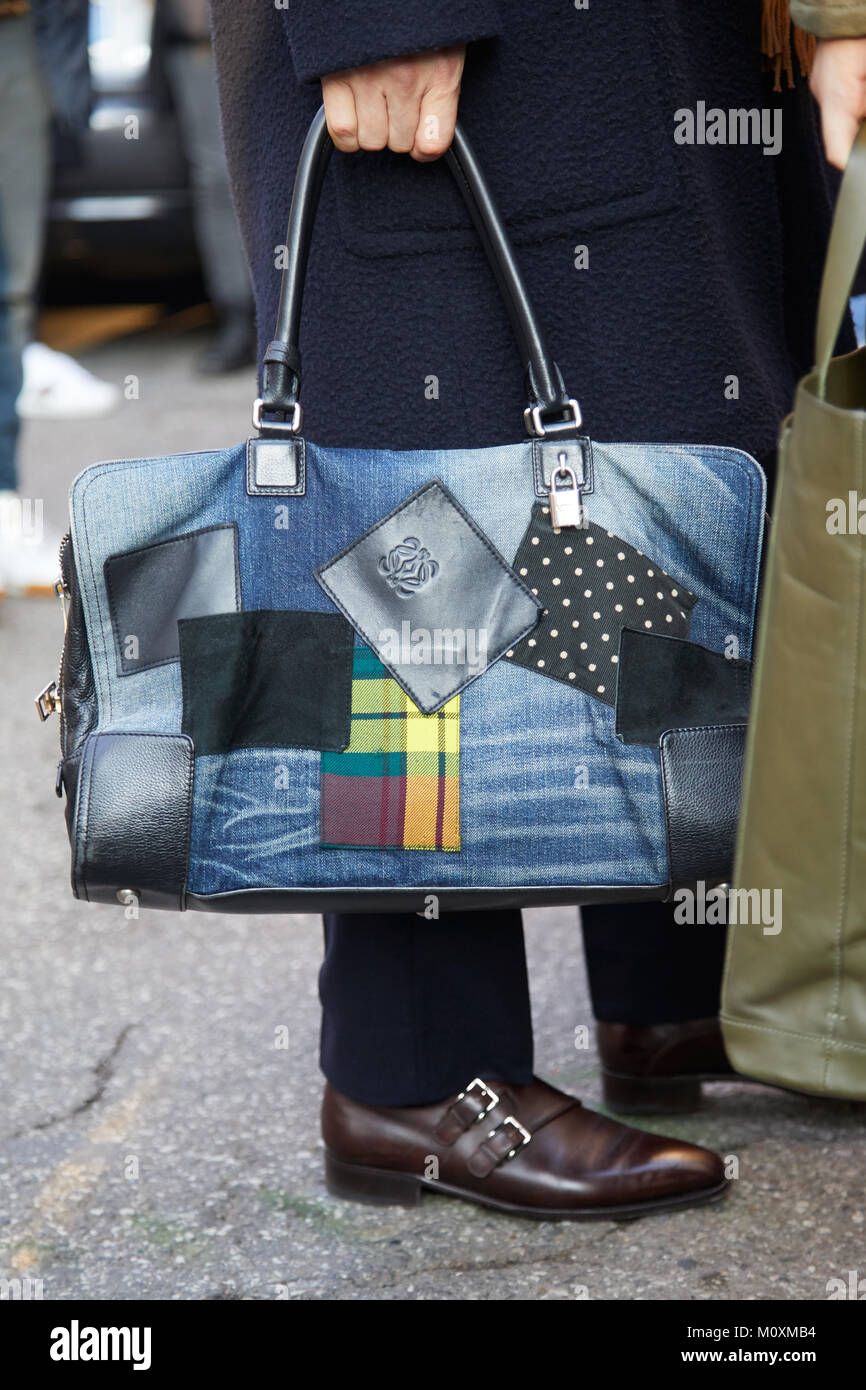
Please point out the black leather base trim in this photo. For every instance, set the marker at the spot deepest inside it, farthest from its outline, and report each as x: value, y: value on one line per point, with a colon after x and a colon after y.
x: 702, y: 771
x: 264, y: 900
x: 131, y: 824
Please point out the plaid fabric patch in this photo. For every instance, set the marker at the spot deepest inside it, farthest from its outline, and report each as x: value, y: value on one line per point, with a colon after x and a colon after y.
x: 396, y: 786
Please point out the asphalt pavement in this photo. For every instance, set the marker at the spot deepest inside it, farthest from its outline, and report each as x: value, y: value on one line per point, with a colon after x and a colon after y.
x: 157, y: 1143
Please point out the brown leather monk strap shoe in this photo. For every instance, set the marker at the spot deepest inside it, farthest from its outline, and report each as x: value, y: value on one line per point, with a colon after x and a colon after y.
x: 530, y: 1150
x: 658, y: 1068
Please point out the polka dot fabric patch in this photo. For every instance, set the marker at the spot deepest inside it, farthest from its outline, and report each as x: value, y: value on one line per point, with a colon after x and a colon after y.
x: 592, y: 585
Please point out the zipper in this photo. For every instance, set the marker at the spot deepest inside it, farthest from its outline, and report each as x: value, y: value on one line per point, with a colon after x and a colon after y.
x: 63, y: 594
x: 49, y: 700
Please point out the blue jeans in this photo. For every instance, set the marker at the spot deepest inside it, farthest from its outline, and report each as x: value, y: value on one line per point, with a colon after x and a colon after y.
x: 25, y: 165
x: 10, y: 385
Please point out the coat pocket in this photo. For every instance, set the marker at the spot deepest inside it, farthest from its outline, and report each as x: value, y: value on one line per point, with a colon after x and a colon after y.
x: 567, y: 116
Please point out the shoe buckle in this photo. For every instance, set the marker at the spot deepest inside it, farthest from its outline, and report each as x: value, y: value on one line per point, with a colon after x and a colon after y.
x: 488, y: 1093
x: 524, y: 1133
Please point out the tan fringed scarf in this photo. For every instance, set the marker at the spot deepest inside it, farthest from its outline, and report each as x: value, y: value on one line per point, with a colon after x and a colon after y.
x: 776, y: 34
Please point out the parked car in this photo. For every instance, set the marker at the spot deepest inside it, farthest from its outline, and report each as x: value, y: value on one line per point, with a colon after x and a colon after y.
x: 120, y: 211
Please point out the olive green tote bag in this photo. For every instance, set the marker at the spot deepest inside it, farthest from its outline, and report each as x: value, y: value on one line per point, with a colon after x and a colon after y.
x: 794, y: 997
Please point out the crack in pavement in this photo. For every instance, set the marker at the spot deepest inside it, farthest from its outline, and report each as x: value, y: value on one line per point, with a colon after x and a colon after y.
x: 103, y: 1071
x: 547, y: 1259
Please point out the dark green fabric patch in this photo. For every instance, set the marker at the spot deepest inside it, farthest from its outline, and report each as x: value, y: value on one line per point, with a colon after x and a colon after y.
x: 266, y: 679
x: 667, y: 683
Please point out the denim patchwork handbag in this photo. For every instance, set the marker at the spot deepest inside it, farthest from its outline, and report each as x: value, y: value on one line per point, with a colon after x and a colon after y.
x: 300, y: 678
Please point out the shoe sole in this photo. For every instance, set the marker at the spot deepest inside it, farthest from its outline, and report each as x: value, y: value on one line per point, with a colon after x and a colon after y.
x: 662, y: 1095
x: 355, y: 1182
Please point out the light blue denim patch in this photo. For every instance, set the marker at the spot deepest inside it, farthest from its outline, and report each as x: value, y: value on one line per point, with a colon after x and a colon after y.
x: 549, y: 796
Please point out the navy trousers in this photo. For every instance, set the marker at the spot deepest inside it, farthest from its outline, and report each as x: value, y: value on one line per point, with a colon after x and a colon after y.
x: 413, y: 1009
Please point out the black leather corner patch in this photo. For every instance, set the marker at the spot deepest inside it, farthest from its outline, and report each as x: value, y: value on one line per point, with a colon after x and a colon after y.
x: 702, y: 773
x: 431, y: 595
x: 131, y: 826
x: 276, y: 467
x: 266, y: 679
x: 546, y: 457
x: 668, y: 683
x: 150, y: 589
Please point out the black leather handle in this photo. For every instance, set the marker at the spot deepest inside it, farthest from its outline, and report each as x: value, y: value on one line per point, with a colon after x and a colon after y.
x: 550, y: 412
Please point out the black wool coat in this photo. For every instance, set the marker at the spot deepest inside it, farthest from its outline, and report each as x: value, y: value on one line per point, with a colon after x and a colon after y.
x: 693, y: 315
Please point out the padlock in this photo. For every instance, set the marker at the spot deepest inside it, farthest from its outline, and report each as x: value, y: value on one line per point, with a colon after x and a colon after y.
x: 566, y: 503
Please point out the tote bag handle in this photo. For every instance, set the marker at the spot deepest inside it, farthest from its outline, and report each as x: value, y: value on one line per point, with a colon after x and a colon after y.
x: 844, y: 250
x: 551, y: 412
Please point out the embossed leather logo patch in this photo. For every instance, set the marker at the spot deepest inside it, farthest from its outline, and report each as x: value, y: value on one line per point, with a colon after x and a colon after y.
x: 436, y: 624
x: 408, y: 566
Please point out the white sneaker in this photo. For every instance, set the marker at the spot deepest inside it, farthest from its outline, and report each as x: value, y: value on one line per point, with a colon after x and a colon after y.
x: 29, y: 563
x: 56, y: 387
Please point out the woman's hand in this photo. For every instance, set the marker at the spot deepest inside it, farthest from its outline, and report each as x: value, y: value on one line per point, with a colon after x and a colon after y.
x: 838, y: 84
x: 404, y: 104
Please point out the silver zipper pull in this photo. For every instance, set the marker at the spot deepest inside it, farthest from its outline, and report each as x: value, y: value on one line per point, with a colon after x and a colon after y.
x: 47, y: 702
x: 566, y: 502
x: 62, y: 593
